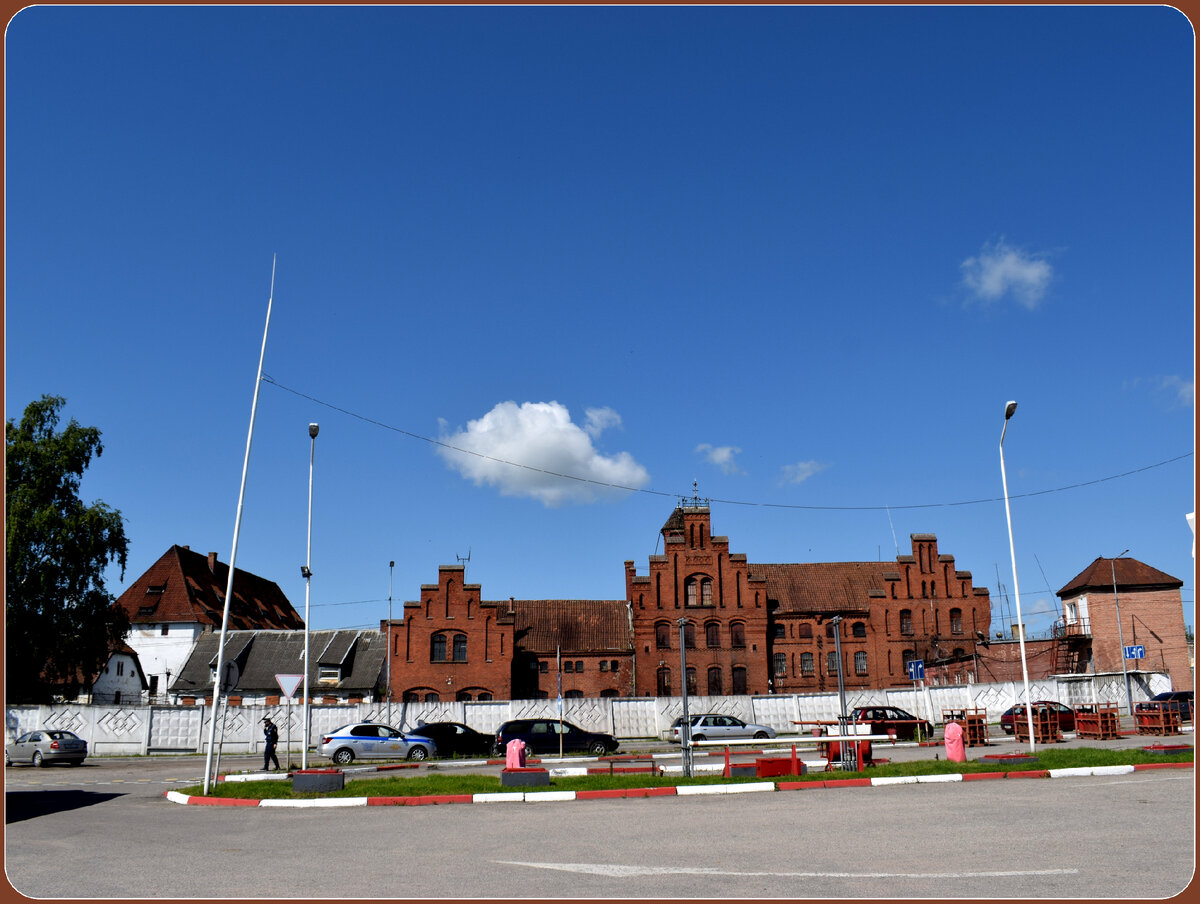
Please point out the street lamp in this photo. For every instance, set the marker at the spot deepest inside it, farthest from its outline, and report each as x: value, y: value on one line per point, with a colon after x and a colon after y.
x: 306, y: 573
x: 1009, y: 409
x: 391, y: 565
x: 1120, y: 636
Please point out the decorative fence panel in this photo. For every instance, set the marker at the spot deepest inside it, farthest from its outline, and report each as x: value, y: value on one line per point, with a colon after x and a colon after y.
x: 134, y: 730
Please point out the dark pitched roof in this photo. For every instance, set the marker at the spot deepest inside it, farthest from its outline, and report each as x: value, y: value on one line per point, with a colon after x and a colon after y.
x: 185, y: 586
x: 261, y: 655
x: 822, y: 586
x: 1130, y: 573
x: 578, y: 626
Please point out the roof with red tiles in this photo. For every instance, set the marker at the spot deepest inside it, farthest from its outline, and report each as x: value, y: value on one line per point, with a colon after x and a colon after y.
x: 822, y: 586
x: 185, y: 586
x: 578, y: 626
x: 1130, y: 575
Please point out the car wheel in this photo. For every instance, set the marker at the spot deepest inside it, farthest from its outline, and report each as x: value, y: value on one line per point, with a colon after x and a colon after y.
x: 497, y: 750
x: 344, y: 757
x: 418, y: 753
x: 599, y: 748
x: 37, y: 759
x: 699, y: 737
x: 760, y: 735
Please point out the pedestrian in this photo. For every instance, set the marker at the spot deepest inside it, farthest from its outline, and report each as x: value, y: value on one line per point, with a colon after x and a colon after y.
x: 271, y: 736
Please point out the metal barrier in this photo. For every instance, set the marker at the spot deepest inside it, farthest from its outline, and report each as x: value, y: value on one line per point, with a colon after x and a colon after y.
x: 973, y: 722
x: 1098, y: 721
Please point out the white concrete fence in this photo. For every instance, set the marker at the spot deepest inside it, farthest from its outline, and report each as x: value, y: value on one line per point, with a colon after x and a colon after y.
x: 138, y: 730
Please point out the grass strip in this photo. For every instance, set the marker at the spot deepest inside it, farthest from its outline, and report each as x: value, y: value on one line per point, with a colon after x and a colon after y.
x: 441, y: 784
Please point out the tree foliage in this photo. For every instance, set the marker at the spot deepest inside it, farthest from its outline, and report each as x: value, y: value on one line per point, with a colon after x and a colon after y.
x: 61, y: 622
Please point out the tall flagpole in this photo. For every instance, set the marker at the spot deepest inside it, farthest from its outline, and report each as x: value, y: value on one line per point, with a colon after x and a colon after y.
x: 237, y: 524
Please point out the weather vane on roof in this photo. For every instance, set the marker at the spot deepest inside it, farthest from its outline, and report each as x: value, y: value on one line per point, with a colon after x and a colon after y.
x: 695, y: 500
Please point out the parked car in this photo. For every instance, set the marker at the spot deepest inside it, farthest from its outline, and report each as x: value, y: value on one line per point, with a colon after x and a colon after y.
x: 454, y: 738
x: 46, y: 746
x: 1066, y: 715
x: 542, y: 736
x: 885, y: 719
x: 1183, y: 702
x: 373, y: 740
x: 716, y: 727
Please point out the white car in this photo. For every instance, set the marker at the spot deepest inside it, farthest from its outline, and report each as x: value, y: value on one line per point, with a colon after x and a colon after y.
x: 373, y: 740
x: 714, y: 727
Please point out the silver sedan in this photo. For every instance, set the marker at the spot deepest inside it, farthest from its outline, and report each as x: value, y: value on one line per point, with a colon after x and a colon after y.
x: 373, y: 740
x: 46, y: 746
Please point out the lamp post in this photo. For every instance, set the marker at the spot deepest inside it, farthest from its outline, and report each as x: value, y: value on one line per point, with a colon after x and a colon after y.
x: 685, y: 727
x: 1120, y: 636
x: 306, y: 573
x: 1009, y: 409
x: 391, y: 565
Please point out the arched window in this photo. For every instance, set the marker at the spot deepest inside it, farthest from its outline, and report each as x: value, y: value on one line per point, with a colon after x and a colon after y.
x: 780, y: 665
x: 706, y: 592
x: 714, y: 681
x: 664, y: 682
x: 662, y: 635
x: 804, y: 629
x: 739, y: 681
x: 959, y: 652
x: 432, y: 698
x: 572, y: 694
x: 831, y: 628
x: 460, y: 647
x: 909, y: 656
x: 806, y: 664
x: 698, y: 591
x: 712, y: 634
x: 777, y: 631
x: 858, y: 629
x: 609, y: 692
x: 437, y: 647
x: 956, y: 621
x: 737, y: 634
x: 860, y: 662
x: 691, y: 680
x: 906, y: 625
x: 689, y: 592
x: 689, y: 636
x: 462, y: 696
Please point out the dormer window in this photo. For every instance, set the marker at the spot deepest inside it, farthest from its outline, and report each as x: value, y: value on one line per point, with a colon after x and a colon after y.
x: 329, y: 673
x: 156, y: 590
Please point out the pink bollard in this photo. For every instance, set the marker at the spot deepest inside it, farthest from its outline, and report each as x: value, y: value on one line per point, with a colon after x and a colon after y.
x: 514, y: 754
x: 955, y: 751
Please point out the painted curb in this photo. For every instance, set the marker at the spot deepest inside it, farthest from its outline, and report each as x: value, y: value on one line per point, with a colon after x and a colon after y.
x: 665, y: 791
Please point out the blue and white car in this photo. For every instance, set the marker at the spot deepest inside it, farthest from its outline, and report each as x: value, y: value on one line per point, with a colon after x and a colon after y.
x: 373, y: 740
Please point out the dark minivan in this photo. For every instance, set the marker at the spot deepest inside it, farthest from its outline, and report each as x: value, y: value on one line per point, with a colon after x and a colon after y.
x: 542, y: 736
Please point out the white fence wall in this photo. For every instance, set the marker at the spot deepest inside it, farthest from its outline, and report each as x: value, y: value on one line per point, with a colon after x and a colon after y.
x: 137, y: 730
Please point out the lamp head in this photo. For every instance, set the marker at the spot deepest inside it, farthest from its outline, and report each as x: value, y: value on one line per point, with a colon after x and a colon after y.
x: 391, y: 564
x: 1009, y: 410
x: 313, y: 428
x: 305, y: 572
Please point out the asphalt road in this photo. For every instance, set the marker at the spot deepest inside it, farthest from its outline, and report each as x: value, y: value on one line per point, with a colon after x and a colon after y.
x: 104, y: 830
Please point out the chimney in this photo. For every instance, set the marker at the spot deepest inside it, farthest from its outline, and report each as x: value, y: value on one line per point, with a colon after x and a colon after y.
x: 212, y: 562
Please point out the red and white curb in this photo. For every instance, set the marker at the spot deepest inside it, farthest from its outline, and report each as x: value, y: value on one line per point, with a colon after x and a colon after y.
x: 531, y: 797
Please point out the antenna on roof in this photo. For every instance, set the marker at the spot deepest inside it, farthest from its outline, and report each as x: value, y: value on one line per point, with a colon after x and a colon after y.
x: 463, y: 560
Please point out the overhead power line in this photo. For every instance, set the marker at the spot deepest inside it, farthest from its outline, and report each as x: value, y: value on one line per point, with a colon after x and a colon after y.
x: 783, y: 505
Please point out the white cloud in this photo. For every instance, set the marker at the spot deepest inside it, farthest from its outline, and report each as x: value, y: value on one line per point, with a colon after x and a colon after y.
x: 599, y: 420
x: 1185, y: 390
x: 541, y: 437
x: 1000, y: 270
x: 801, y: 471
x: 721, y: 456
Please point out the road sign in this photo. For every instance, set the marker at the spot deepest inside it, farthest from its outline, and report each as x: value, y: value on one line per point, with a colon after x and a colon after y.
x: 288, y: 683
x: 230, y: 675
x: 916, y: 669
x: 1135, y: 651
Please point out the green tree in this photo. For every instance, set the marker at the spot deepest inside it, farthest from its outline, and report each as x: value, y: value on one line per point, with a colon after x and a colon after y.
x: 60, y: 620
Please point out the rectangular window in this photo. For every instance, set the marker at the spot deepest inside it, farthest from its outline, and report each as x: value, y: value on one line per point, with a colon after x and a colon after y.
x: 831, y: 663
x: 568, y: 666
x: 329, y: 673
x: 604, y: 665
x: 806, y: 665
x: 860, y: 663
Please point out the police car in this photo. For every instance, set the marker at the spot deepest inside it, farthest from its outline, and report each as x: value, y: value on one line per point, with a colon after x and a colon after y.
x: 373, y: 740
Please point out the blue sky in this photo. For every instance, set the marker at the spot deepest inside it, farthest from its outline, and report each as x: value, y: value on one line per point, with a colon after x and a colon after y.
x: 800, y: 256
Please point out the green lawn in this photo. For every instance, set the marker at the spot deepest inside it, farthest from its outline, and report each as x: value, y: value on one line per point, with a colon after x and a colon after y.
x: 436, y: 783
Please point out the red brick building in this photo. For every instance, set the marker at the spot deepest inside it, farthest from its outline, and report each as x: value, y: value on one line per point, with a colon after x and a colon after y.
x: 1151, y: 616
x: 747, y: 629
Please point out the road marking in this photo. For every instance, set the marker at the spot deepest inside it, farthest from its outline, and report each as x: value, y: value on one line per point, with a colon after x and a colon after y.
x: 624, y: 871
